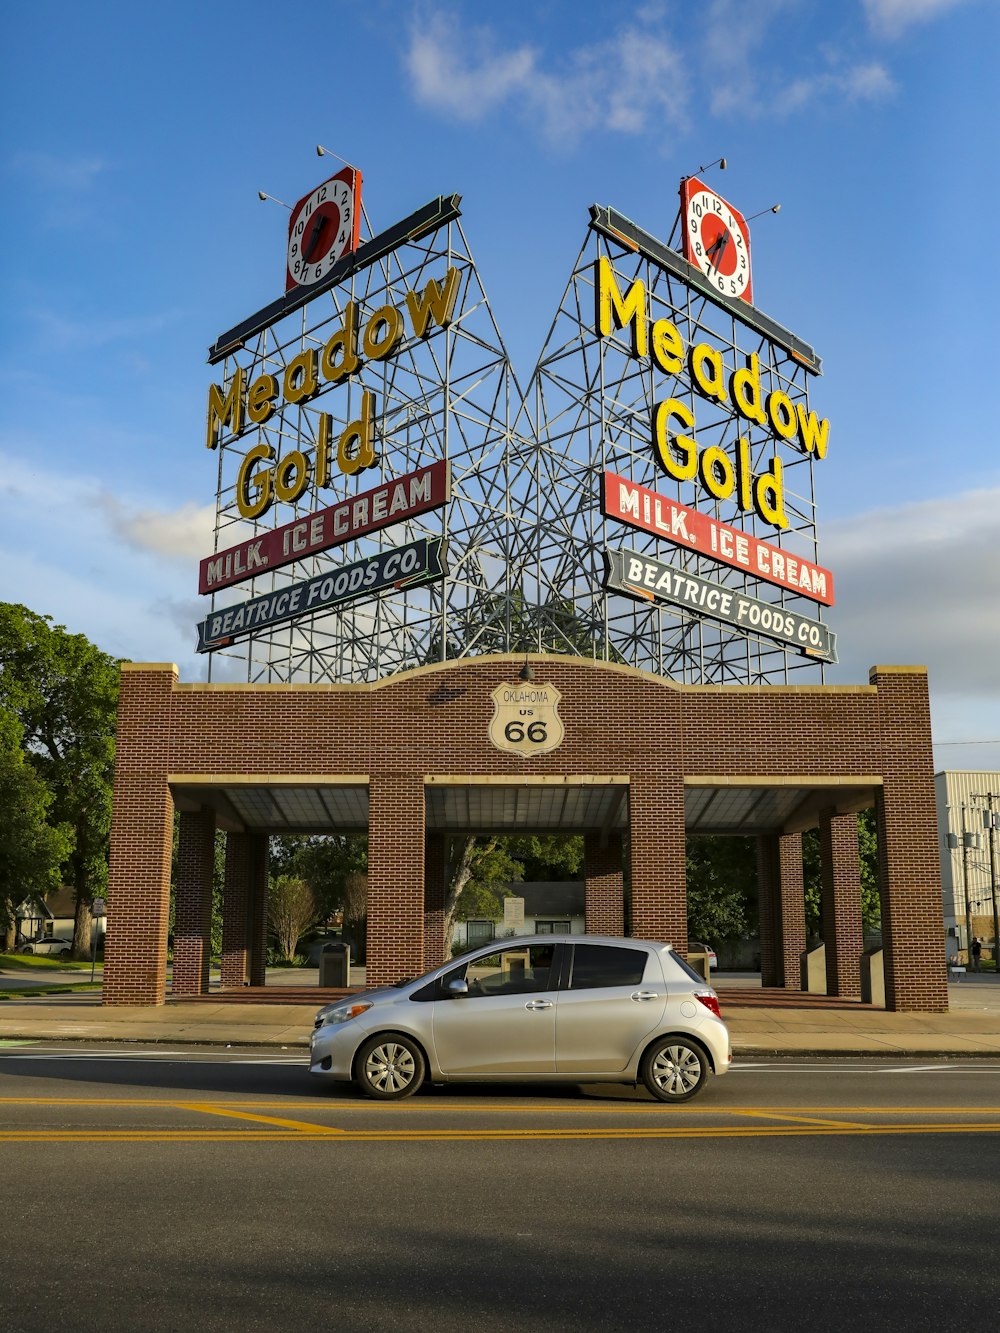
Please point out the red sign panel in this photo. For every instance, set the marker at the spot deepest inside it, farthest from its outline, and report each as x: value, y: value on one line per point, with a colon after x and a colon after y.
x: 628, y: 502
x: 393, y: 502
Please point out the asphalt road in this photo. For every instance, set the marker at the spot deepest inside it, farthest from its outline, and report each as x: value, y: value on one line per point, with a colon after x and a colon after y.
x: 223, y: 1190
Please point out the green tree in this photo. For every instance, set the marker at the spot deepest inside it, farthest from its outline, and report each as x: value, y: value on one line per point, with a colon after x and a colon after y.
x: 721, y: 888
x: 291, y: 910
x: 31, y: 850
x: 324, y: 863
x: 871, y: 906
x: 64, y: 692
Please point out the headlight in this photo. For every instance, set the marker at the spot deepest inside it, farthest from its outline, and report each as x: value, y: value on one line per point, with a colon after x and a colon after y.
x: 341, y: 1014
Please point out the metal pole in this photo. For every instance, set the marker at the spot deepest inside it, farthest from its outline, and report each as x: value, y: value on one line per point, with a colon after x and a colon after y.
x: 990, y: 797
x: 965, y: 888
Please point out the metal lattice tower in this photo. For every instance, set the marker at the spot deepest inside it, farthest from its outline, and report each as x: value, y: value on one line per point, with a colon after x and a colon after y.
x: 590, y: 408
x: 450, y: 395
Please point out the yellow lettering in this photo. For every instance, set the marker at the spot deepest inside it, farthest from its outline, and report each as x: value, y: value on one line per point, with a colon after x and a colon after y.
x: 291, y: 476
x: 356, y: 446
x: 745, y: 391
x: 813, y: 433
x: 717, y: 473
x: 434, y: 304
x: 300, y: 377
x: 254, y: 491
x: 617, y: 312
x: 340, y: 355
x: 768, y: 496
x: 382, y: 332
x: 668, y: 346
x: 706, y: 367
x: 781, y: 414
x: 665, y: 446
x: 226, y: 410
x: 261, y: 398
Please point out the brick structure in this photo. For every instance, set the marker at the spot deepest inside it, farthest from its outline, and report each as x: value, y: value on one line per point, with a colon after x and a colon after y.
x: 193, y: 905
x: 841, y: 904
x: 831, y: 746
x: 602, y: 869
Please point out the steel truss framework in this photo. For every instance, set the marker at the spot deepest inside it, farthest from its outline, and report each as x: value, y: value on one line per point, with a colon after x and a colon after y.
x: 524, y: 533
x: 591, y: 404
x: 449, y: 395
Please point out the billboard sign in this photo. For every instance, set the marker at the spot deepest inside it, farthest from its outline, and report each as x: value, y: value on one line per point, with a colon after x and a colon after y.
x: 419, y: 562
x: 644, y: 578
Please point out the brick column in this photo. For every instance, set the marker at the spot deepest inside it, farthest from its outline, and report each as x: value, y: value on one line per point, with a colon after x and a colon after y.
x: 768, y: 883
x: 658, y: 856
x: 193, y: 903
x: 135, y: 949
x: 602, y: 868
x: 257, y: 925
x: 909, y: 864
x: 236, y: 909
x: 791, y: 909
x: 841, y: 903
x: 396, y: 820
x: 435, y: 890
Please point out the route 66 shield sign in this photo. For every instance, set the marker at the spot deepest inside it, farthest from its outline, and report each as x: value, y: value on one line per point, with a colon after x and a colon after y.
x: 526, y: 718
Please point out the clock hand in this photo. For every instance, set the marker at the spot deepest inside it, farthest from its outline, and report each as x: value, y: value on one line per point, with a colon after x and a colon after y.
x: 718, y: 248
x: 319, y: 223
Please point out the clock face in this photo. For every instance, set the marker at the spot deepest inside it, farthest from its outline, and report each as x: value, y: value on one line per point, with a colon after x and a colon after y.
x: 323, y: 228
x: 716, y: 239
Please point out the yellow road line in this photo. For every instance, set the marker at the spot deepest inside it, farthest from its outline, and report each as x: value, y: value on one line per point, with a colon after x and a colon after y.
x: 210, y: 1108
x: 414, y: 1107
x: 804, y: 1119
x: 453, y: 1136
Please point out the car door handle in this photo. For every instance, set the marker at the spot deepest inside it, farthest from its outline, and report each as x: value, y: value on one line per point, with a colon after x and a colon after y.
x: 644, y: 995
x: 538, y: 1004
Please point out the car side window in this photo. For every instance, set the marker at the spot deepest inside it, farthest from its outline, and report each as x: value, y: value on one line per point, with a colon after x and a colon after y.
x: 606, y: 965
x: 518, y: 970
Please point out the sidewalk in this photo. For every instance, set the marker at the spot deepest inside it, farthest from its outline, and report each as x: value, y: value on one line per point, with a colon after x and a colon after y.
x: 971, y: 1028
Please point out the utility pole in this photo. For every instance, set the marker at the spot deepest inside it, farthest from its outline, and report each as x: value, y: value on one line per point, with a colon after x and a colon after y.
x: 991, y: 823
x: 965, y: 888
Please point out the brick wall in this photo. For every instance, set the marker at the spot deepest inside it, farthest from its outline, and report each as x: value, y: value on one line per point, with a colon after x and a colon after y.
x: 602, y: 868
x: 434, y: 721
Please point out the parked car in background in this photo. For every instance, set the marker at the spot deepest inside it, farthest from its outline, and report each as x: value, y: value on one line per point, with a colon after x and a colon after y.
x: 695, y: 947
x: 48, y: 944
x: 539, y: 1008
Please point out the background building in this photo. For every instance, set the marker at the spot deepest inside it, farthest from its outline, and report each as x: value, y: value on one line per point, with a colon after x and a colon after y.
x: 968, y: 805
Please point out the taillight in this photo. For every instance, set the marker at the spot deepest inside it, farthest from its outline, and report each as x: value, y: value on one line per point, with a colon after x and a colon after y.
x: 710, y: 1000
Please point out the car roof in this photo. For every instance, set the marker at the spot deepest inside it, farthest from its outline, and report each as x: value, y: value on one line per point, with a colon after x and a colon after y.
x: 565, y: 937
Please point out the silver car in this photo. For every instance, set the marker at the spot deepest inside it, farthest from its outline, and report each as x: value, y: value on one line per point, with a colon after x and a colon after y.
x: 545, y: 1008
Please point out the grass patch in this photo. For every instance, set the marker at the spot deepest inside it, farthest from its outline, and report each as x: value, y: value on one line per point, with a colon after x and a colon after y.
x: 29, y: 992
x: 29, y: 962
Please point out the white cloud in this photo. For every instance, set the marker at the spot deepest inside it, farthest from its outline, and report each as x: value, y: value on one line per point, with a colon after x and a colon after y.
x: 890, y: 18
x: 65, y: 331
x: 921, y: 585
x: 859, y: 83
x: 627, y: 84
x: 182, y: 534
x: 74, y: 174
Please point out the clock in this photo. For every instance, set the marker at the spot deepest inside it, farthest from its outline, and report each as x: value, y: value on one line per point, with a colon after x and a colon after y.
x: 716, y: 239
x: 323, y: 228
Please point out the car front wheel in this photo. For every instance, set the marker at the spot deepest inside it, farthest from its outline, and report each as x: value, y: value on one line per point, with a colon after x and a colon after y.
x: 674, y: 1069
x: 390, y: 1067
x: 65, y: 953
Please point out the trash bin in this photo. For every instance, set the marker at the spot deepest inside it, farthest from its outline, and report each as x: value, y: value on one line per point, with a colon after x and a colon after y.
x: 335, y: 965
x: 700, y: 963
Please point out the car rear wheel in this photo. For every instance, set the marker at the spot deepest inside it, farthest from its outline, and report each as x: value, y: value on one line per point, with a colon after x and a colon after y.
x: 65, y: 953
x: 390, y: 1067
x: 674, y: 1069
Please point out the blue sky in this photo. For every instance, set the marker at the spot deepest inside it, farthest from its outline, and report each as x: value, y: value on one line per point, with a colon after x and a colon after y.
x: 135, y: 139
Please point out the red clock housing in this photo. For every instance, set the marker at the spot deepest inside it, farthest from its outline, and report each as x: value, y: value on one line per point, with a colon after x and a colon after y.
x: 716, y: 239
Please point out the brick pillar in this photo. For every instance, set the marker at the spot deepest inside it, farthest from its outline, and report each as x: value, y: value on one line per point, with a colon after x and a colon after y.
x: 659, y: 881
x: 135, y: 949
x: 236, y: 897
x: 193, y: 904
x: 768, y: 881
x: 791, y: 909
x: 396, y: 820
x: 602, y: 868
x: 909, y: 864
x: 257, y: 937
x: 435, y: 890
x: 841, y: 903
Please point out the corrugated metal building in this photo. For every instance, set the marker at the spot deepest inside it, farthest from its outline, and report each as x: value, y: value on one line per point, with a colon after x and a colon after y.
x: 968, y: 803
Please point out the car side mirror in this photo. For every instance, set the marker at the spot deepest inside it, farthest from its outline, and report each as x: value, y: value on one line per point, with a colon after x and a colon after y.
x: 457, y: 986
